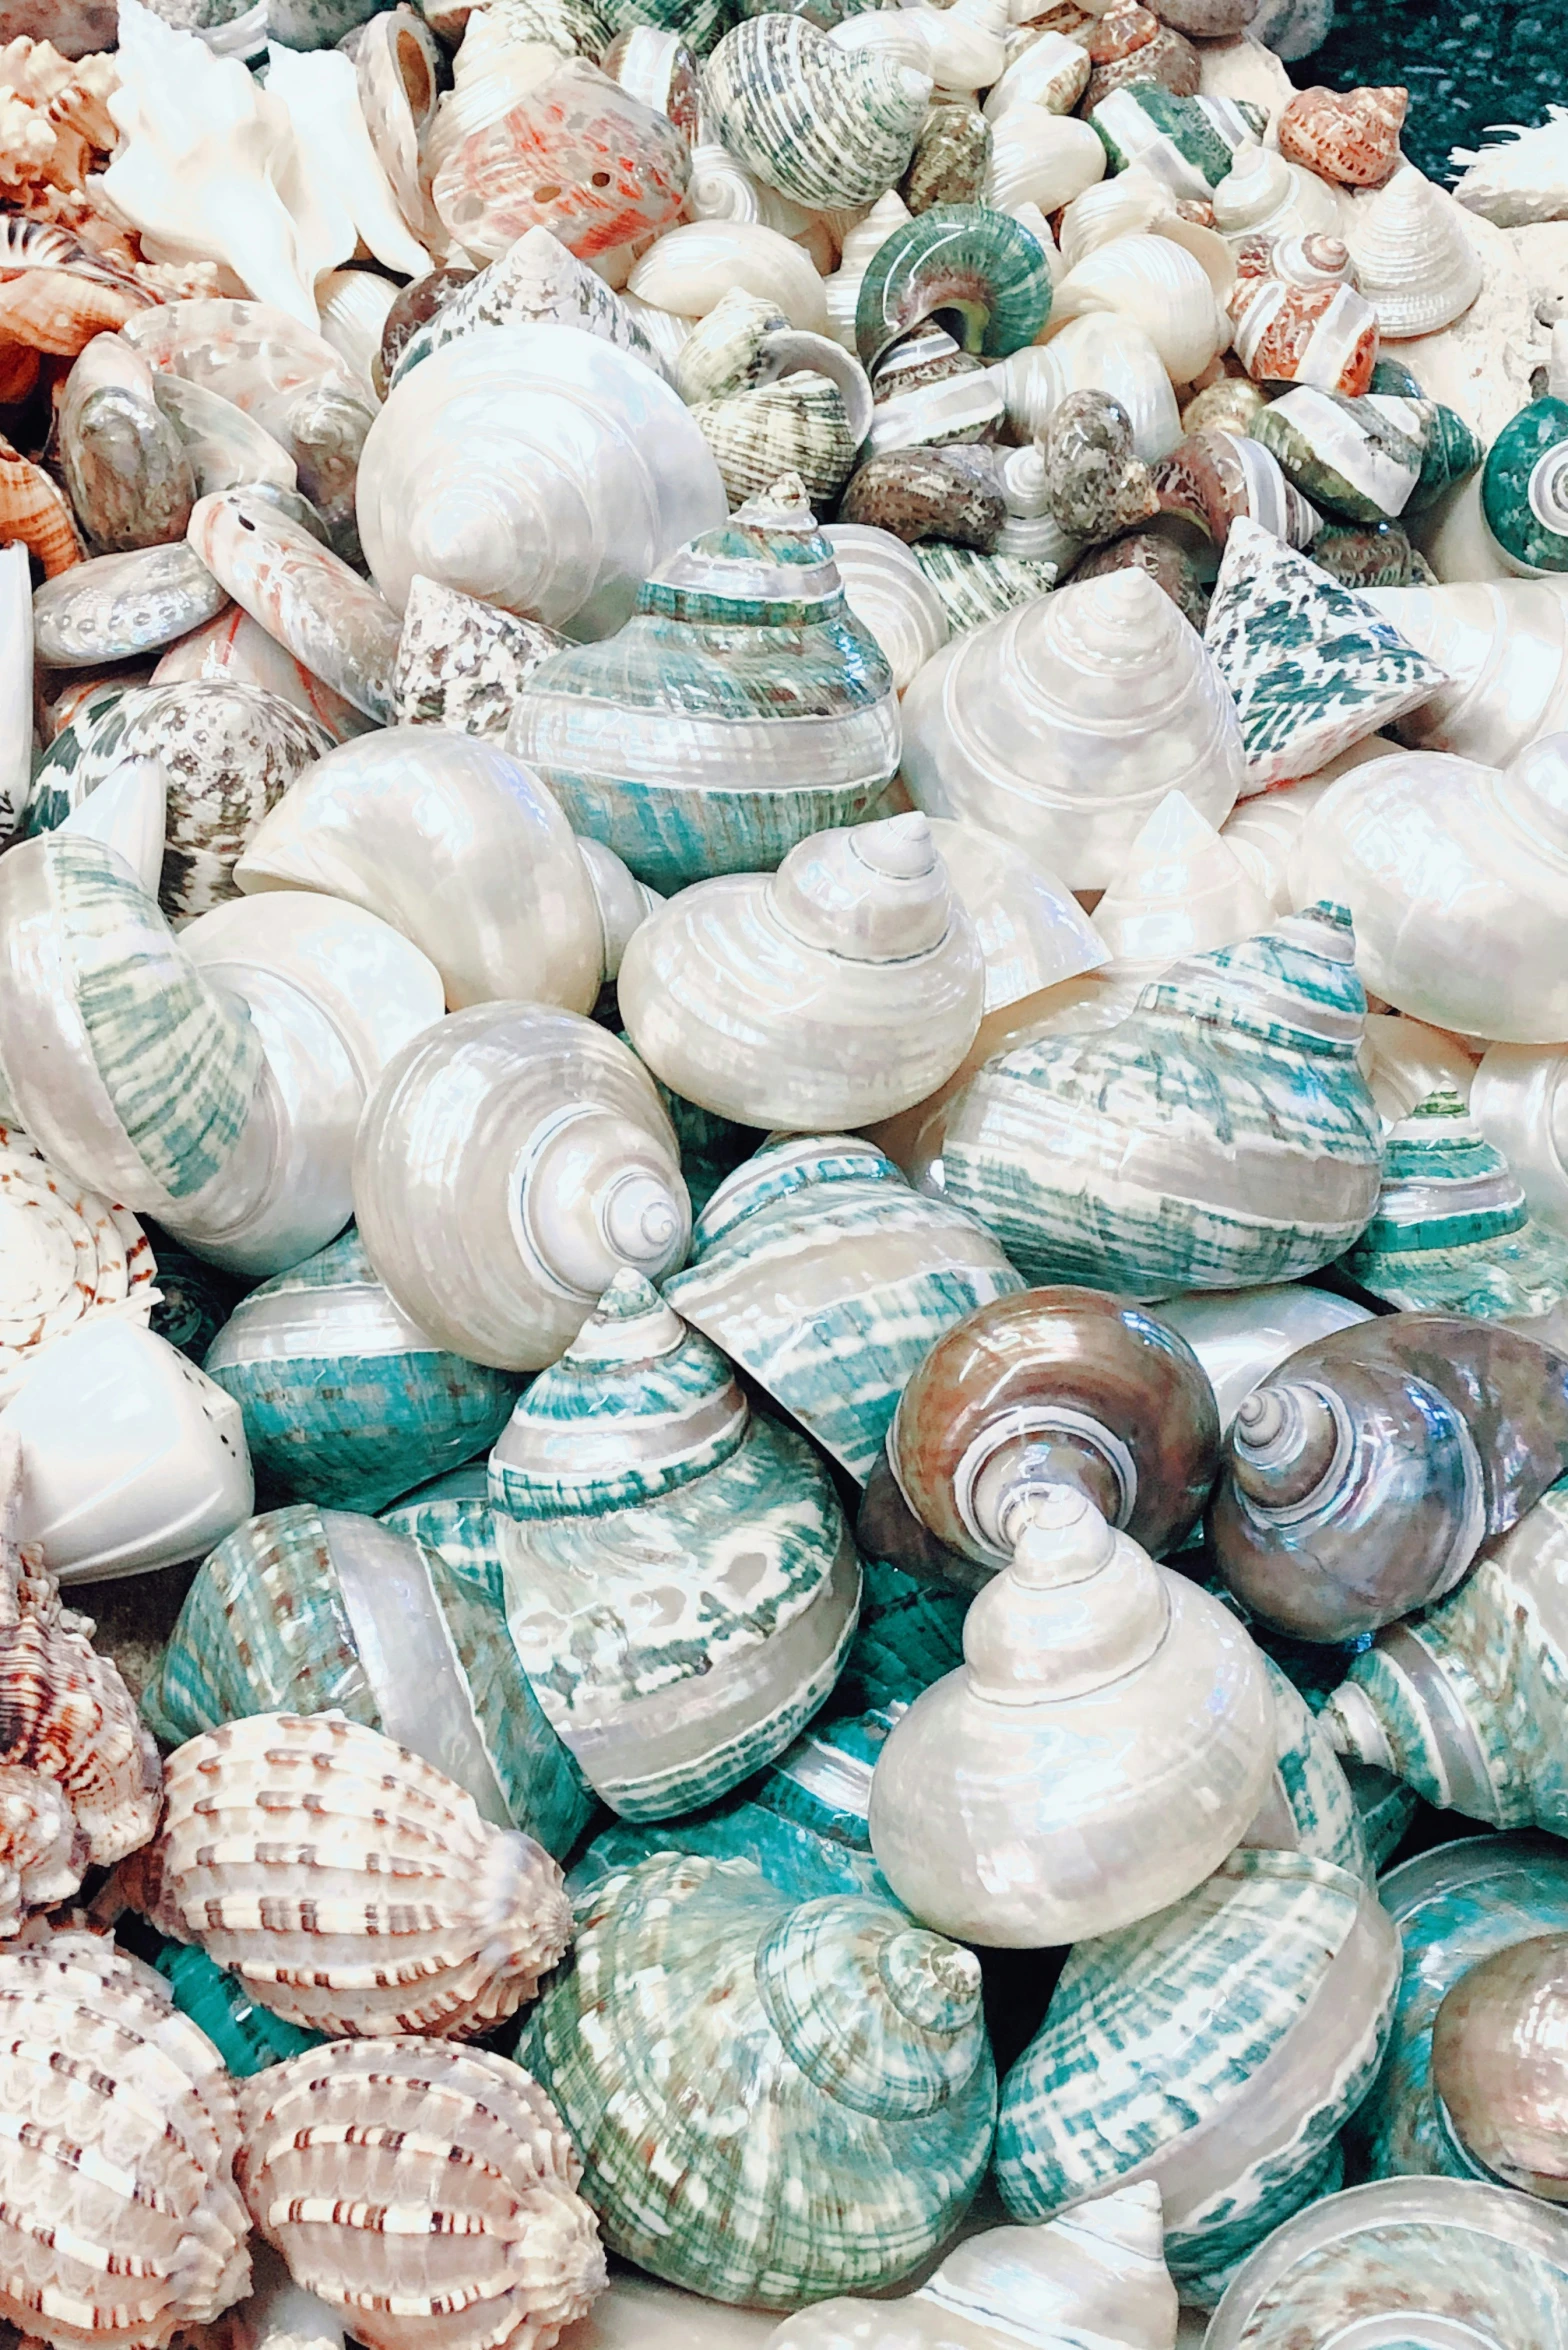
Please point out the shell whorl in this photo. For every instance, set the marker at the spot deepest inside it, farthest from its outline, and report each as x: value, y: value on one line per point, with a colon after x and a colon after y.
x: 1079, y: 1605
x: 876, y: 893
x: 1294, y: 985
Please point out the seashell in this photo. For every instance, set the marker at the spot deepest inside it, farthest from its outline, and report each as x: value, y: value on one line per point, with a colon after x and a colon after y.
x: 536, y: 282
x: 854, y: 983
x: 1313, y: 668
x: 691, y: 268
x: 1031, y: 930
x: 115, y: 606
x: 1524, y: 488
x: 961, y: 260
x: 1214, y: 476
x: 721, y: 189
x: 1310, y: 261
x: 1096, y: 354
x: 1323, y: 335
x: 139, y: 2098
x: 1514, y: 1097
x: 1491, y: 2060
x: 224, y: 448
x: 354, y: 304
x: 236, y: 650
x: 929, y: 393
x: 16, y: 682
x: 1264, y: 195
x: 1098, y: 2273
x: 68, y: 1258
x: 56, y: 293
x: 1413, y: 257
x: 1363, y: 555
x: 470, y: 477
x: 658, y: 68
x: 1349, y: 136
x: 472, y: 2150
x: 760, y: 427
x: 680, y: 742
x: 454, y: 844
x: 1097, y: 698
x: 1501, y: 643
x: 901, y: 36
x: 415, y: 307
x: 333, y: 150
x: 1052, y: 72
x: 124, y: 462
x: 1240, y: 1336
x: 509, y: 1162
x: 1492, y: 2256
x: 873, y: 2131
x: 1174, y: 569
x: 35, y: 515
x: 1361, y: 458
x: 861, y: 245
x: 1161, y: 287
x: 1042, y: 158
x: 1183, y: 891
x: 1482, y: 963
x: 1407, y: 1061
x: 462, y: 664
x: 1229, y: 2105
x: 887, y: 593
x: 1057, y: 1387
x: 1377, y: 1456
x: 975, y: 588
x: 1126, y: 205
x: 300, y: 592
x: 951, y: 494
x: 321, y: 1608
x: 501, y: 61
x: 828, y: 126
x: 1231, y: 404
x: 1189, y: 143
x: 952, y: 154
x: 1093, y: 485
x: 490, y: 1916
x: 1006, y: 1754
x: 619, y: 1484
x: 1518, y: 183
x: 396, y: 64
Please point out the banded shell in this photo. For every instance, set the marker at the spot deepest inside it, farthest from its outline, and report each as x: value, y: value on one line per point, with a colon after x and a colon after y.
x: 1097, y: 353
x: 1413, y: 256
x: 280, y: 1837
x: 453, y: 2219
x: 462, y: 663
x: 1213, y: 476
x: 1325, y: 335
x: 1351, y: 136
x: 105, y: 2081
x: 236, y: 650
x: 36, y: 514
x: 300, y: 592
x: 1264, y: 195
x: 67, y: 1257
x: 854, y: 2038
x: 980, y: 267
x: 829, y: 126
x: 887, y: 592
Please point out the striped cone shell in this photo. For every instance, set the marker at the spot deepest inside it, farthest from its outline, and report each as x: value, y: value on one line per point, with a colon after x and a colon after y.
x: 426, y: 2192
x: 354, y: 1889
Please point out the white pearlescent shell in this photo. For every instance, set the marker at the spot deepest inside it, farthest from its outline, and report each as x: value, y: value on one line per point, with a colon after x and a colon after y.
x: 890, y: 595
x: 690, y: 269
x: 1101, y: 352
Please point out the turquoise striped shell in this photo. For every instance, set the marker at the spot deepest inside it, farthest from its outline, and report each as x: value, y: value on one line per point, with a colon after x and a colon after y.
x: 803, y: 1821
x: 309, y: 1611
x: 1312, y: 1787
x: 831, y: 127
x: 124, y: 1062
x: 681, y: 1584
x: 247, y: 2037
x: 828, y: 1280
x: 1220, y: 1136
x: 1385, y: 1807
x: 452, y: 1516
x: 346, y: 1401
x: 741, y: 708
x: 773, y: 2101
x: 1189, y: 143
x: 1251, y: 2015
x: 1453, y: 1906
x: 979, y: 268
x: 977, y: 588
x: 1452, y: 1233
x: 910, y: 1633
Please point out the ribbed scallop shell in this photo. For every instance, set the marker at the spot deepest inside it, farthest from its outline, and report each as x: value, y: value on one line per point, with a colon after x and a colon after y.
x: 830, y: 127
x: 66, y: 1257
x: 120, y: 2224
x: 1413, y: 257
x: 850, y: 2040
x: 426, y: 2193
x: 353, y: 1888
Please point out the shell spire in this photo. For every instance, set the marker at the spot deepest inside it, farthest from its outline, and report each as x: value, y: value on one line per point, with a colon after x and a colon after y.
x: 883, y: 2017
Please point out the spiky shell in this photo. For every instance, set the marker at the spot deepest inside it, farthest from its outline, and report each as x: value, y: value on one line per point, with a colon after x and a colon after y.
x: 427, y: 2193
x: 772, y: 2101
x: 120, y: 2225
x: 353, y: 1888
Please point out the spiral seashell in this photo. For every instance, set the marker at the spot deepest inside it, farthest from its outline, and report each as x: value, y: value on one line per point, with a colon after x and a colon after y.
x: 225, y: 448
x: 1264, y: 195
x: 619, y: 1485
x: 1053, y: 72
x: 736, y: 372
x: 1079, y: 1608
x: 1182, y: 892
x: 1491, y: 2065
x: 1213, y: 477
x: 508, y: 1163
x: 1161, y: 287
x: 658, y: 69
x: 860, y: 2041
x: 1515, y: 184
x: 955, y: 259
x: 829, y: 127
x: 1131, y: 45
x: 536, y: 282
x: 952, y: 155
x: 537, y: 468
x: 461, y: 664
x: 1514, y: 1095
x: 860, y: 246
x: 1096, y: 353
x: 470, y: 2151
x: 1189, y: 143
x: 1326, y: 336
x: 1413, y: 257
x: 124, y: 463
x: 66, y: 1257
x: 1235, y: 2124
x: 36, y: 515
x: 1351, y: 136
x: 887, y: 592
x: 929, y: 393
x: 690, y: 269
x: 1042, y: 158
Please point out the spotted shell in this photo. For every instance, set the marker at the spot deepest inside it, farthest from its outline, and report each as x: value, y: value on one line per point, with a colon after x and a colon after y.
x: 352, y: 1888
x: 119, y: 2220
x: 425, y: 2192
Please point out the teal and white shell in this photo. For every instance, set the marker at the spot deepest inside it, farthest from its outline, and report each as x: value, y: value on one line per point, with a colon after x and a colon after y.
x: 346, y: 1401
x: 828, y: 1280
x: 1312, y: 1809
x: 1220, y: 1136
x: 740, y: 709
x: 773, y: 2101
x: 1452, y: 1233
x: 831, y: 127
x: 452, y: 1516
x: 311, y: 1611
x: 910, y: 1633
x: 1453, y: 1906
x: 681, y: 1584
x: 1216, y: 2048
x: 129, y: 1068
x: 1188, y: 143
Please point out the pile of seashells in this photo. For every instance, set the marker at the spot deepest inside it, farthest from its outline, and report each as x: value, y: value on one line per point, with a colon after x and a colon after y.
x: 784, y: 924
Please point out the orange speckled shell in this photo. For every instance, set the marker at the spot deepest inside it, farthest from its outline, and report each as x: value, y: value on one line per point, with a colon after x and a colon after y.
x: 1322, y: 335
x: 34, y: 510
x: 1347, y: 135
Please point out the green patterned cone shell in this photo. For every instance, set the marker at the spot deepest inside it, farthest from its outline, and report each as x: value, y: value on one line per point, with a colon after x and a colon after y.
x: 1452, y: 1233
x: 1454, y: 1907
x: 310, y: 1611
x: 975, y: 588
x: 1220, y: 1136
x: 818, y: 1270
x: 773, y: 2101
x: 346, y: 1401
x: 1524, y: 489
x: 831, y: 127
x: 739, y: 710
x: 979, y: 267
x: 247, y: 2037
x: 1217, y: 2048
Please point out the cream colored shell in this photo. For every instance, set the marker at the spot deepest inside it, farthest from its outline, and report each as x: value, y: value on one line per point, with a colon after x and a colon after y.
x: 890, y: 595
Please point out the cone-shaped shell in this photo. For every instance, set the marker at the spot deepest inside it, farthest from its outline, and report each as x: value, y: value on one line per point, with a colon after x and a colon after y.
x: 854, y: 2039
x: 741, y: 708
x: 1215, y: 2049
x: 831, y: 127
x: 1031, y: 929
x: 1063, y: 724
x: 1413, y: 256
x: 1091, y: 1161
x: 1263, y: 195
x: 827, y: 1279
x: 839, y: 990
x: 1382, y: 1457
x: 1181, y: 892
x: 279, y: 1838
x: 681, y: 1583
x: 425, y: 2193
x: 311, y: 1610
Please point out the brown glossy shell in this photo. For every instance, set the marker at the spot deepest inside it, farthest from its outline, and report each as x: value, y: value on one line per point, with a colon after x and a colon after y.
x: 35, y: 511
x: 948, y: 494
x: 1348, y: 135
x: 1497, y: 2064
x: 352, y: 1887
x: 425, y: 2192
x: 120, y: 2223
